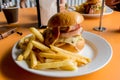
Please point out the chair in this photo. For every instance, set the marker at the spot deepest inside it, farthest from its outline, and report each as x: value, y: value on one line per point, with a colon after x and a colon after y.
x: 74, y: 2
x: 32, y: 3
x: 27, y: 3
x: 24, y: 4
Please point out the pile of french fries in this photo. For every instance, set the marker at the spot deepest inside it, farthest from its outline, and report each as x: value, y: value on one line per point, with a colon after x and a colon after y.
x: 39, y: 56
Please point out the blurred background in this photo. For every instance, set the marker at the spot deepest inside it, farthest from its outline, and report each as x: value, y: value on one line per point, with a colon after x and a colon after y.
x: 32, y: 3
x: 114, y: 4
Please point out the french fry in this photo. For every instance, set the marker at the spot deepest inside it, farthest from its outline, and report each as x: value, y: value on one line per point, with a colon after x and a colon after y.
x: 20, y: 57
x: 24, y: 41
x: 28, y: 48
x: 53, y: 56
x: 70, y: 67
x: 33, y: 59
x: 40, y: 46
x: 21, y: 43
x: 80, y: 59
x: 51, y: 60
x: 50, y: 65
x: 44, y: 57
x: 37, y: 34
x: 59, y: 50
x: 40, y: 59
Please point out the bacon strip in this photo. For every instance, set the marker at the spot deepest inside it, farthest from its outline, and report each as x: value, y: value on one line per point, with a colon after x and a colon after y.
x: 51, y: 36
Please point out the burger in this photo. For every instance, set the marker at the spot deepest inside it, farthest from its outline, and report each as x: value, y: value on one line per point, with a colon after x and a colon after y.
x: 64, y: 30
x: 90, y: 7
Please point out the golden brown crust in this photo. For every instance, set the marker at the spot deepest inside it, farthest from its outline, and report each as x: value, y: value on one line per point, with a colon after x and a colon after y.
x: 65, y: 19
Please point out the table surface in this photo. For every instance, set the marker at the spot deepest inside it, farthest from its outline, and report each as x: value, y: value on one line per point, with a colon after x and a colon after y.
x: 28, y: 18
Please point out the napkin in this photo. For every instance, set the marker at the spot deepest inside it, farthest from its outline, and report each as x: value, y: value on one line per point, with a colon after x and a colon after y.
x: 47, y: 9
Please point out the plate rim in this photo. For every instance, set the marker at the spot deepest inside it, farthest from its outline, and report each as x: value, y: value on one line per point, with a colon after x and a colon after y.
x: 107, y: 12
x: 84, y: 32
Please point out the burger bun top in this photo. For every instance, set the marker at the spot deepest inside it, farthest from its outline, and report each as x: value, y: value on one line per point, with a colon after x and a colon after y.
x: 65, y: 19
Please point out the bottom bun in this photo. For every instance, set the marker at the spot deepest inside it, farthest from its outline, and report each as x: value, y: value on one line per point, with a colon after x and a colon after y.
x: 75, y: 49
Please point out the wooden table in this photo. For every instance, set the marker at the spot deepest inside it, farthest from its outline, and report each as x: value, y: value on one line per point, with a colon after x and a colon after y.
x: 27, y: 18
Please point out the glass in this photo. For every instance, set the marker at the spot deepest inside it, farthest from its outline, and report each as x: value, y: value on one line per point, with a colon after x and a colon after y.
x: 11, y: 14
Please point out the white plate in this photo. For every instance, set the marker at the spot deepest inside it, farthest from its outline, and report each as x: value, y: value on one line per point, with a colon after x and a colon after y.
x: 96, y: 48
x: 107, y: 12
